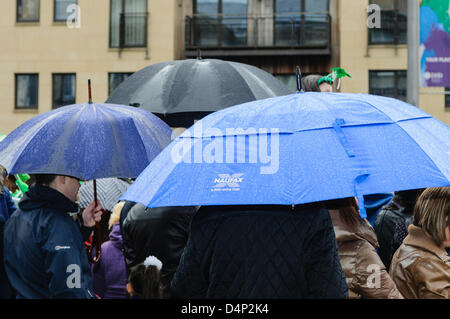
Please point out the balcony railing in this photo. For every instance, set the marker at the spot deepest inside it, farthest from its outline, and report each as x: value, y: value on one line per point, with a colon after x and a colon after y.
x: 293, y: 30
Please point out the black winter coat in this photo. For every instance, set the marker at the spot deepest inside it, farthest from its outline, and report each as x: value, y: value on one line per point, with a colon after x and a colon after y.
x: 260, y: 252
x: 161, y: 232
x: 391, y: 227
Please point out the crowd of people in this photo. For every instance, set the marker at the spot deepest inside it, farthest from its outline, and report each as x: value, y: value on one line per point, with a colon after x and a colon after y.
x: 316, y: 250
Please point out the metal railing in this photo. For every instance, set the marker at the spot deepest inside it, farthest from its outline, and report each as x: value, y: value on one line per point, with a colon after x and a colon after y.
x: 292, y: 30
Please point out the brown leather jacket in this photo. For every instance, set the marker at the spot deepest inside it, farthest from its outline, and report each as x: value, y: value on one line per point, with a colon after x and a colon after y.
x: 364, y: 271
x: 420, y: 268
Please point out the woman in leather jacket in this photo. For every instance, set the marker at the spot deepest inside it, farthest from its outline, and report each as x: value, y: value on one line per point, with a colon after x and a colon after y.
x: 365, y: 273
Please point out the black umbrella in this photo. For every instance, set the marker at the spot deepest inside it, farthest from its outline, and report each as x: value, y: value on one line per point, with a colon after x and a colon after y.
x: 182, y: 91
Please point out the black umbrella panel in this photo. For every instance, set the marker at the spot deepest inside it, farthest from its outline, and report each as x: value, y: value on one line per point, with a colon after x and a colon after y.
x: 182, y: 91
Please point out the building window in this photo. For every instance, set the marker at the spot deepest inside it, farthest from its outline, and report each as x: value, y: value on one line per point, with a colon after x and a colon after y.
x: 115, y: 79
x: 27, y: 87
x: 28, y: 11
x: 128, y: 24
x: 393, y: 24
x: 64, y: 89
x: 388, y: 83
x: 301, y: 22
x: 220, y: 23
x: 60, y: 9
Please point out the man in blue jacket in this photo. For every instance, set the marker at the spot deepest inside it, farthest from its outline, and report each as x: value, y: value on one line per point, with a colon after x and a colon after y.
x: 44, y: 239
x: 7, y: 208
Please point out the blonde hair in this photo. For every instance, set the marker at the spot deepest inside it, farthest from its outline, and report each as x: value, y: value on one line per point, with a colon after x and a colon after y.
x: 115, y: 215
x: 432, y: 211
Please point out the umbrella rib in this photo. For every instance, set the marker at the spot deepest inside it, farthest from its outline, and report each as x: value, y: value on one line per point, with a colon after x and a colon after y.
x: 253, y: 76
x: 143, y: 145
x: 420, y: 147
x: 406, y: 132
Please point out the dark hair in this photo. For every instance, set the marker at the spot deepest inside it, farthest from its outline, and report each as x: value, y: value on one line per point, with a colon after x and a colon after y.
x: 406, y: 199
x: 348, y: 209
x: 309, y: 83
x: 145, y: 281
x: 44, y: 179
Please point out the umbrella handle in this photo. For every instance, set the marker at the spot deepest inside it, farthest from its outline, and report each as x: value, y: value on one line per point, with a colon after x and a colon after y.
x: 97, y: 239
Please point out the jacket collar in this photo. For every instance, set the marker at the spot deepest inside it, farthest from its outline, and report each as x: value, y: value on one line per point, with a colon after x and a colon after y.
x: 40, y: 196
x: 345, y: 232
x: 419, y: 238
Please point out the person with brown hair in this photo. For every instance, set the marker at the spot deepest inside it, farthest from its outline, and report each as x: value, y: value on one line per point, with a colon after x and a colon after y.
x: 310, y: 84
x: 357, y: 242
x: 421, y: 265
x: 144, y: 281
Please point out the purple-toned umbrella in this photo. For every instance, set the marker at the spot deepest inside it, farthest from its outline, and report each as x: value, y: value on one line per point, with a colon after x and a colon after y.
x: 87, y: 141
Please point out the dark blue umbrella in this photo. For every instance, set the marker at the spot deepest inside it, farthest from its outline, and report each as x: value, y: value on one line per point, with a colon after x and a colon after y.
x: 296, y: 149
x: 87, y: 141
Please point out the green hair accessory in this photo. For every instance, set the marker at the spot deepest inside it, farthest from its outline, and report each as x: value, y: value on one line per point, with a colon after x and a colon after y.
x: 336, y: 73
x: 20, y: 182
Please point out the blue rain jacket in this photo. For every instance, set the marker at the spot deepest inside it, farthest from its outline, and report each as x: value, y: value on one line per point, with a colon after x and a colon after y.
x: 44, y: 248
x: 7, y: 206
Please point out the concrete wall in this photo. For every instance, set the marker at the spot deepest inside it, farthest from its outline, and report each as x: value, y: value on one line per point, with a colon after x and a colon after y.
x: 50, y: 47
x: 358, y: 58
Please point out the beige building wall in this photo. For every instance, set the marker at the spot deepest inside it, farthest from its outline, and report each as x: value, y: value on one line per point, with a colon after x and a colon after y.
x: 357, y: 58
x: 48, y: 47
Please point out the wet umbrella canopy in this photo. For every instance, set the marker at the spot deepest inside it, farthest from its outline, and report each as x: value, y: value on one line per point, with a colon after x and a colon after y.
x: 182, y: 91
x: 87, y: 141
x: 296, y: 149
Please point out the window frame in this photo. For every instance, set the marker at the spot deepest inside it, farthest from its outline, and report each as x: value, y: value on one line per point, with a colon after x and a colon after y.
x: 109, y: 79
x: 396, y: 81
x: 302, y: 29
x: 122, y: 11
x: 54, y: 12
x: 28, y: 21
x: 396, y: 31
x: 34, y: 107
x: 53, y: 86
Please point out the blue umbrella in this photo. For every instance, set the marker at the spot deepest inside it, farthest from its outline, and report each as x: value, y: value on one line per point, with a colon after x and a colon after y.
x: 87, y: 141
x: 296, y: 149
